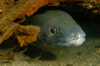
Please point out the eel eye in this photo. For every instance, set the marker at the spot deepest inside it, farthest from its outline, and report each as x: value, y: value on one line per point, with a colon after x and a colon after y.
x: 52, y: 31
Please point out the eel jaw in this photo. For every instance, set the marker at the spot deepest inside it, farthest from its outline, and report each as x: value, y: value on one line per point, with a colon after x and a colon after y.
x: 74, y: 41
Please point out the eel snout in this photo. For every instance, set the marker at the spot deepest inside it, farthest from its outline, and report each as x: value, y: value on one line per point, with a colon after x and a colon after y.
x: 74, y: 38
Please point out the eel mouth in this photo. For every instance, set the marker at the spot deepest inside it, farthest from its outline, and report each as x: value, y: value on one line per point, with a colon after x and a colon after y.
x: 70, y: 41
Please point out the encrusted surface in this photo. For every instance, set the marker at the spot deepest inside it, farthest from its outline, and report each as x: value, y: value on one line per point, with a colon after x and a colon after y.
x: 27, y: 34
x: 11, y: 10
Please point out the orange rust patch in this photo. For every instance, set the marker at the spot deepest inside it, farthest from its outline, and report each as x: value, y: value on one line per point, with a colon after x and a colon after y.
x: 98, y: 1
x: 33, y: 7
x: 54, y: 4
